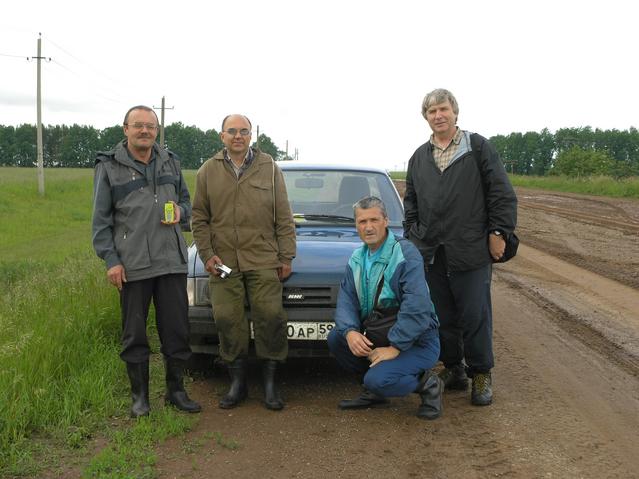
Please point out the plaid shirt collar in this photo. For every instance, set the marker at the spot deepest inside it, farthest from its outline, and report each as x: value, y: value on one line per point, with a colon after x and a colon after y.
x: 456, y: 140
x: 248, y: 159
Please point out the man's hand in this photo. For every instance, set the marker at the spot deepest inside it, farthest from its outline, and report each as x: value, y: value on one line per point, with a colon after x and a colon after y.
x: 210, y: 265
x: 358, y: 344
x: 176, y: 215
x: 497, y: 246
x: 382, y: 354
x: 116, y: 276
x: 284, y: 271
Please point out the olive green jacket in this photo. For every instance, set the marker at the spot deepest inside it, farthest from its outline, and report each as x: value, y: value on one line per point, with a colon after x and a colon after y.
x: 247, y: 222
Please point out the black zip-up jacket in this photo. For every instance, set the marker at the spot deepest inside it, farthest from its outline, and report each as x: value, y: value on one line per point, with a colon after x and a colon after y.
x: 457, y: 208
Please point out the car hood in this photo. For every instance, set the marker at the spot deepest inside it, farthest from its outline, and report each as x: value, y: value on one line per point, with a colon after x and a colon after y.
x: 322, y: 252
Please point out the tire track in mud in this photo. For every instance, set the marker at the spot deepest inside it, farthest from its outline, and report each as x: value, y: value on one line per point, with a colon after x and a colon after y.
x: 600, y: 266
x: 572, y: 324
x: 626, y: 224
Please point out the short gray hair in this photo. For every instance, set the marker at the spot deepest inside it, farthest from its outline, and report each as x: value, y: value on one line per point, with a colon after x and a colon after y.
x: 438, y: 96
x: 140, y: 107
x: 370, y: 202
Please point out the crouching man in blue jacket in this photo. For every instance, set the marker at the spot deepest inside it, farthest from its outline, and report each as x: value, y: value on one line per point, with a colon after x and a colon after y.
x: 387, y: 272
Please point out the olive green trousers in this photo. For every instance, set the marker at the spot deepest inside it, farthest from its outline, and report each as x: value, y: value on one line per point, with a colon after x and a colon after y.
x: 263, y: 291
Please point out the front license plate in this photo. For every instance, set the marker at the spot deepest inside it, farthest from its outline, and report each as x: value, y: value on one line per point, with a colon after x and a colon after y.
x: 305, y: 331
x: 312, y: 331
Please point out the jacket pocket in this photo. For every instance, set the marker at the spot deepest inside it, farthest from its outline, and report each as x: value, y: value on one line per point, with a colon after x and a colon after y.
x: 270, y: 242
x: 181, y: 244
x: 133, y: 249
x: 261, y: 191
x: 418, y: 231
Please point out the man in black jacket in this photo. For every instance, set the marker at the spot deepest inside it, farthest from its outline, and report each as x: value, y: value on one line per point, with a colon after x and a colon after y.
x: 459, y: 206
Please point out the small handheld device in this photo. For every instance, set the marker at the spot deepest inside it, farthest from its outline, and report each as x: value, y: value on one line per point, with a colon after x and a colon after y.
x: 169, y: 212
x: 224, y: 270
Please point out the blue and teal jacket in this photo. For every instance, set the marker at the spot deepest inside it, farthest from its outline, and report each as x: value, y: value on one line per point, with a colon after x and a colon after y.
x: 404, y: 286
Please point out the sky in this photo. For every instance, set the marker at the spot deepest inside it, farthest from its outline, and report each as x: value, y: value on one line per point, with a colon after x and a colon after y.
x: 341, y: 81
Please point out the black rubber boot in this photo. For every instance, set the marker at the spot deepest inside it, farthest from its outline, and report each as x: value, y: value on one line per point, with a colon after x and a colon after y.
x: 238, y: 390
x: 139, y: 378
x: 272, y: 399
x: 430, y: 390
x: 175, y: 394
x: 454, y: 378
x: 364, y: 400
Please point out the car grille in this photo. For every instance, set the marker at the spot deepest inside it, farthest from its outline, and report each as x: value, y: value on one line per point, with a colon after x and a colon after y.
x: 307, y: 297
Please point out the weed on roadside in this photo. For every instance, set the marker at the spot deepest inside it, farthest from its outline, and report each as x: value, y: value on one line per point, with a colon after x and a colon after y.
x: 230, y: 444
x: 130, y: 453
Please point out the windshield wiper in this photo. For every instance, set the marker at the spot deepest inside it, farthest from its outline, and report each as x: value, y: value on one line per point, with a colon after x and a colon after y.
x: 341, y: 219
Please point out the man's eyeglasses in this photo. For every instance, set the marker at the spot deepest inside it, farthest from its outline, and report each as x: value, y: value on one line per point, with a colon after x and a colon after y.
x: 235, y: 131
x: 139, y: 126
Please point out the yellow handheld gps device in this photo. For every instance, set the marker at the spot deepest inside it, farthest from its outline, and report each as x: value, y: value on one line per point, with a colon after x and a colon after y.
x: 169, y: 212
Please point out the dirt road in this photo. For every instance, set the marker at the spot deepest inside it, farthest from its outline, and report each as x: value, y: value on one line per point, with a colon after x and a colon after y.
x: 566, y: 380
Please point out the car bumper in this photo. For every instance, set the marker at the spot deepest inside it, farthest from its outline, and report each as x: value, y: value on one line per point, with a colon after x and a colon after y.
x: 204, y: 338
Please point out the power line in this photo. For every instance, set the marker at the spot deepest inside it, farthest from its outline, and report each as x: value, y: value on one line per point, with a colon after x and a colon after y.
x: 12, y: 56
x: 82, y: 78
x: 100, y: 74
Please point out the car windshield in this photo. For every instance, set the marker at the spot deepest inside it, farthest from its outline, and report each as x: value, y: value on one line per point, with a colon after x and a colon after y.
x: 317, y: 195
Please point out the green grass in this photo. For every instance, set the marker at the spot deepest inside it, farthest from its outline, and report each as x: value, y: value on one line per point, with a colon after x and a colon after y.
x: 61, y: 380
x: 397, y: 175
x: 130, y: 453
x: 598, y: 185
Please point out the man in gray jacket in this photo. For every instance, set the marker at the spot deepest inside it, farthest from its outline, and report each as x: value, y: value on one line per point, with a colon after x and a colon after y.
x: 145, y: 252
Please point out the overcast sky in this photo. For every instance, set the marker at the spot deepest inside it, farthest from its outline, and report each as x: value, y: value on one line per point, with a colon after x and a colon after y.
x: 342, y: 81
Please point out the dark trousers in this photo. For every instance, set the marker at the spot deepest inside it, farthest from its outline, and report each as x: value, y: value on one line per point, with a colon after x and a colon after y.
x: 171, y: 317
x: 463, y: 305
x: 393, y: 378
x: 264, y: 292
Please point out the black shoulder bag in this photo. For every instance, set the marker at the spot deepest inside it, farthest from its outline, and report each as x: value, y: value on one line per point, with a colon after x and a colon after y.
x: 512, y: 241
x: 380, y: 320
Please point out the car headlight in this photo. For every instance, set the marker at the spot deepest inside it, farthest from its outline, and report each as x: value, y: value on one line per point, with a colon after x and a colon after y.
x: 202, y: 292
x: 190, y: 290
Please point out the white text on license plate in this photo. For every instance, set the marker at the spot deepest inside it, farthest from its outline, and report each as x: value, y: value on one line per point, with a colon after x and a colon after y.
x: 312, y: 331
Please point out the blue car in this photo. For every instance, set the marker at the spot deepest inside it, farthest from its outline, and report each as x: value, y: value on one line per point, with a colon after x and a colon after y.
x: 321, y: 198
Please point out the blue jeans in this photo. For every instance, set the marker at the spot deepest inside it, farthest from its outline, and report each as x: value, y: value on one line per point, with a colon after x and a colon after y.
x: 393, y: 378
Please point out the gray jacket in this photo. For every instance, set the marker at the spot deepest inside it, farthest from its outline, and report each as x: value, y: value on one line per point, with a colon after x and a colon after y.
x: 128, y: 205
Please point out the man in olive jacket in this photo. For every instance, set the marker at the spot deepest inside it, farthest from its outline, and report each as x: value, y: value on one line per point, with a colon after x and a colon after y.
x: 459, y: 206
x: 242, y: 219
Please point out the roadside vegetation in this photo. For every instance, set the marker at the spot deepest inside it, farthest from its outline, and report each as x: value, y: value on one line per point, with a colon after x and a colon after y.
x: 63, y: 389
x: 587, y: 185
x: 590, y: 185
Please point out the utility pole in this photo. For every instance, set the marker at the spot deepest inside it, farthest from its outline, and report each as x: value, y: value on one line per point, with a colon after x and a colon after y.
x: 39, y: 124
x: 162, y: 108
x: 286, y: 157
x: 258, y: 137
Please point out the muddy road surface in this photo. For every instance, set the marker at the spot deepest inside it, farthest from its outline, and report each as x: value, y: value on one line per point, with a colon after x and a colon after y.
x: 566, y: 381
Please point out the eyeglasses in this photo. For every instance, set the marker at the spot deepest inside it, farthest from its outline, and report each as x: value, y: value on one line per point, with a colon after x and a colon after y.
x: 139, y: 126
x: 235, y: 131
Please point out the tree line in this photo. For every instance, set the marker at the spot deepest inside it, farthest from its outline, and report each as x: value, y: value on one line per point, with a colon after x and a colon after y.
x: 568, y: 151
x: 76, y: 146
x: 571, y: 152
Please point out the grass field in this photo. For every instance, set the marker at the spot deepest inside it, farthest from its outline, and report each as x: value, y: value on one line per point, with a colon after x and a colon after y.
x: 62, y: 384
x: 598, y: 185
